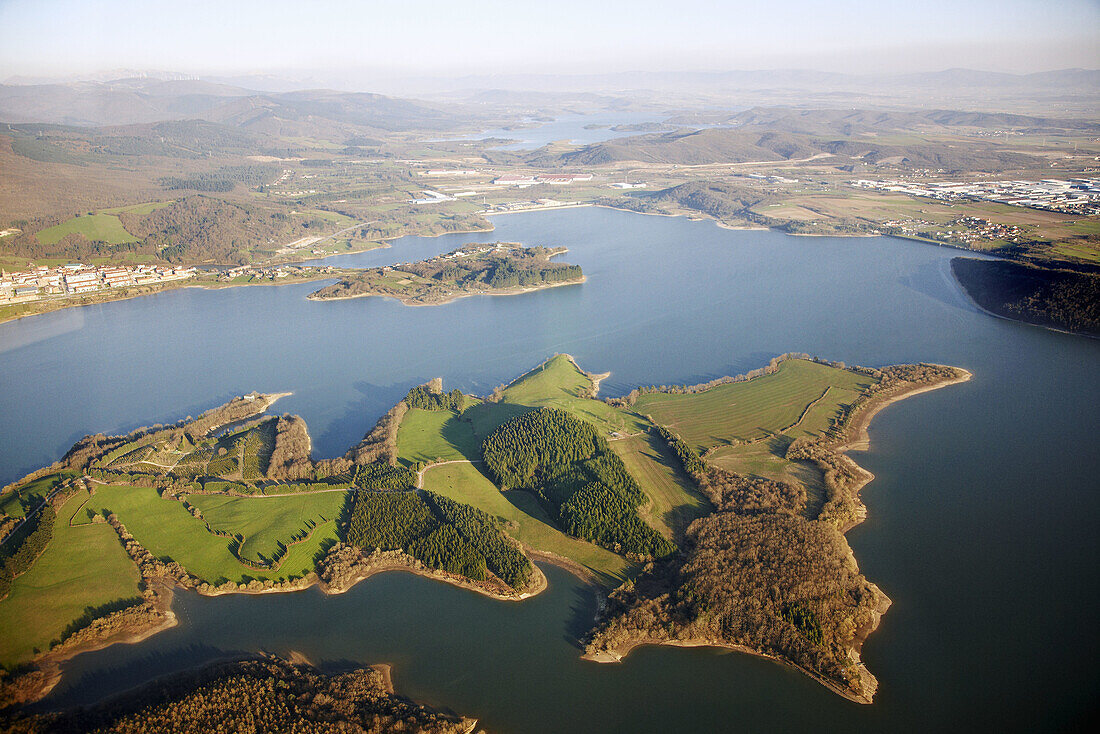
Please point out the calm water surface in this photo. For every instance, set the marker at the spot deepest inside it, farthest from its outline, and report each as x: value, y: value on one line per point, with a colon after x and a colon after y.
x: 574, y: 129
x: 982, y: 515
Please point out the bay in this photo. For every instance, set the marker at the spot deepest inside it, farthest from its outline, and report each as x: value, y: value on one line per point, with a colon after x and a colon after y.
x: 982, y: 513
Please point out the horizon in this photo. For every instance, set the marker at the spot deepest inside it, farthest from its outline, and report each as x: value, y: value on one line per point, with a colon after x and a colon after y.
x: 377, y: 41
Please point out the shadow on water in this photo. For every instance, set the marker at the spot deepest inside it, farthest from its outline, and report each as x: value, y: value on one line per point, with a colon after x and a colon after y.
x: 929, y: 280
x: 361, y: 415
x: 582, y: 610
x: 101, y: 683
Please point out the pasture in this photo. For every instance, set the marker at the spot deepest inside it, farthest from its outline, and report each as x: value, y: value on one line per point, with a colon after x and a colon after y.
x: 167, y: 530
x: 83, y: 567
x: 436, y: 435
x: 96, y: 227
x: 266, y: 523
x: 673, y: 500
x: 524, y: 519
x: 748, y: 411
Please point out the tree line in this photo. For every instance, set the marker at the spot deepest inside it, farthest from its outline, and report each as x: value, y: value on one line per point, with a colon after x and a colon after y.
x: 582, y: 483
x: 438, y: 532
x: 268, y: 694
x: 425, y: 398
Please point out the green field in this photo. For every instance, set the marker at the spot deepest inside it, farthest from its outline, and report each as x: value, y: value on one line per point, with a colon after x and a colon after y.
x: 556, y: 383
x: 767, y: 459
x: 673, y: 500
x: 168, y: 530
x: 747, y: 411
x: 82, y: 567
x: 30, y: 494
x: 268, y: 522
x: 435, y: 435
x: 429, y: 435
x: 96, y: 227
x: 524, y: 517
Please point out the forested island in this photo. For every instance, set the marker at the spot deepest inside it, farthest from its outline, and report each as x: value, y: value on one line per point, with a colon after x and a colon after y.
x: 1058, y: 298
x: 265, y: 694
x: 700, y: 520
x: 498, y: 268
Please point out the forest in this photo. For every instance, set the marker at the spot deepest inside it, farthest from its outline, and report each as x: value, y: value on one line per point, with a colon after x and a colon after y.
x: 1062, y: 299
x: 468, y: 270
x: 754, y: 573
x: 758, y: 573
x: 438, y: 532
x: 774, y: 583
x: 583, y: 485
x: 261, y: 695
x: 426, y: 397
x: 193, y: 229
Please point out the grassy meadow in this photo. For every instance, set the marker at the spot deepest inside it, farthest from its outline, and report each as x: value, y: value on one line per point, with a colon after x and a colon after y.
x: 266, y: 523
x: 96, y: 227
x: 168, y: 530
x: 747, y: 411
x: 83, y: 567
x: 525, y: 519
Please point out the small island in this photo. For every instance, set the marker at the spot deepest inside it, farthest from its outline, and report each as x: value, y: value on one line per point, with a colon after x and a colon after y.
x: 699, y: 524
x: 500, y: 268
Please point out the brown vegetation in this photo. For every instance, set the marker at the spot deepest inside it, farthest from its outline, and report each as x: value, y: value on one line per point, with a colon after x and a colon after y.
x: 268, y: 694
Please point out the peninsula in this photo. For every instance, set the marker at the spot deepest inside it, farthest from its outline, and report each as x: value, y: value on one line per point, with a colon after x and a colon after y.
x: 707, y: 525
x: 500, y: 268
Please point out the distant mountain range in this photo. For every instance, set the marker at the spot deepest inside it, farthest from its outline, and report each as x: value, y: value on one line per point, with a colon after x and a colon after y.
x: 148, y: 100
x: 778, y: 134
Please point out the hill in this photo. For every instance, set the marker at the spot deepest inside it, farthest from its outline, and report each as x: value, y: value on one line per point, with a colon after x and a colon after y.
x: 143, y: 101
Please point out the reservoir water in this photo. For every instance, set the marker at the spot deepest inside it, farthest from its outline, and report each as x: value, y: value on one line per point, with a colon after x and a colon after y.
x: 982, y: 514
x: 576, y: 129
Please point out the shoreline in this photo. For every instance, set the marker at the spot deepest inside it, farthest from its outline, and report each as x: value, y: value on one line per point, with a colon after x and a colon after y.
x: 455, y: 297
x: 856, y: 438
x: 1011, y: 320
x: 622, y: 651
x: 46, y: 671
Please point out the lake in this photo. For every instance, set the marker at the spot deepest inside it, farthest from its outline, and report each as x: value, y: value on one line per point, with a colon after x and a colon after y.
x: 576, y: 129
x: 982, y: 514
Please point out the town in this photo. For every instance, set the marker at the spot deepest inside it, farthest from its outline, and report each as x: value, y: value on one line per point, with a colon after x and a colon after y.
x: 1073, y: 196
x: 76, y: 278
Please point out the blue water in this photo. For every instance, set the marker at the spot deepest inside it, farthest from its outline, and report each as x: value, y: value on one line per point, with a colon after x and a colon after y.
x: 570, y: 128
x: 982, y: 514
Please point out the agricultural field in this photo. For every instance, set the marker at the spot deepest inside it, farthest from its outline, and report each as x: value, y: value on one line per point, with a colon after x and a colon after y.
x: 435, y: 435
x: 269, y: 524
x: 673, y: 500
x: 168, y: 530
x: 524, y: 519
x: 15, y: 502
x: 84, y: 566
x: 799, y: 392
x: 96, y: 227
x: 557, y: 383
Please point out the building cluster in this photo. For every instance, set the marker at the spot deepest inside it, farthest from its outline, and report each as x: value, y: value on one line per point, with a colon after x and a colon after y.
x: 519, y: 206
x: 1072, y: 196
x: 554, y: 179
x: 963, y: 231
x: 909, y: 227
x: 976, y: 229
x: 75, y: 279
x: 275, y: 272
x: 448, y: 172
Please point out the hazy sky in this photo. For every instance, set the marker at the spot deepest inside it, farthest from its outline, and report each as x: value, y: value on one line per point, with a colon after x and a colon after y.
x: 453, y: 37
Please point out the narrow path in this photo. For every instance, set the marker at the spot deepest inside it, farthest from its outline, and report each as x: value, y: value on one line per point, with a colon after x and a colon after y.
x: 420, y: 474
x: 33, y: 511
